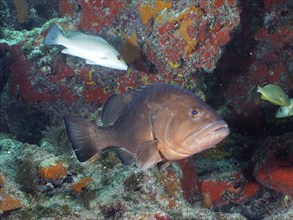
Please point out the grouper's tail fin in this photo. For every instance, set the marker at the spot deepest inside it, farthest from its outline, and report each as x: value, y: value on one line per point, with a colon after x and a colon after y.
x: 82, y: 136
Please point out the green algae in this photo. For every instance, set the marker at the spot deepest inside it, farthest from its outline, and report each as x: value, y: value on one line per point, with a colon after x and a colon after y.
x: 14, y: 37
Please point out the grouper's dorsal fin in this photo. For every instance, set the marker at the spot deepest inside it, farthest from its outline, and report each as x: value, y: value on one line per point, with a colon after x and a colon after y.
x: 114, y: 107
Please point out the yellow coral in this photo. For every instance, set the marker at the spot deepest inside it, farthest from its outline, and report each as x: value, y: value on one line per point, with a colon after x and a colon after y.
x: 196, y: 10
x: 149, y: 11
x: 146, y: 13
x: 90, y: 82
x: 185, y: 13
x: 185, y: 21
x: 161, y: 5
x: 152, y: 11
x: 173, y: 65
x: 191, y: 43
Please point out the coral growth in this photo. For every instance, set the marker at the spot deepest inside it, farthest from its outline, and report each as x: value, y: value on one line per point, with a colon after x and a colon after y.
x: 56, y: 135
x: 98, y: 14
x: 53, y: 172
x: 1, y: 182
x: 187, y: 19
x: 222, y: 192
x: 7, y: 202
x: 275, y: 170
x: 197, y: 42
x: 151, y: 10
x: 81, y: 184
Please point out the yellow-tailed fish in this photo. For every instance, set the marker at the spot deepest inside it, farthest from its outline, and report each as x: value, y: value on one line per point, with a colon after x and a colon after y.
x: 285, y: 111
x: 94, y: 49
x: 274, y: 94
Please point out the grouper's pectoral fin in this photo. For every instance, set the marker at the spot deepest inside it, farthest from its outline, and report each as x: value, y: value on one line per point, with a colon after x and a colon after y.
x: 125, y: 156
x: 163, y: 165
x: 147, y: 155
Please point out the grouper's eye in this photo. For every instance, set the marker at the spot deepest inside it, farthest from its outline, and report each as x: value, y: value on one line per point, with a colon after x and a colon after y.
x: 119, y: 58
x: 194, y: 112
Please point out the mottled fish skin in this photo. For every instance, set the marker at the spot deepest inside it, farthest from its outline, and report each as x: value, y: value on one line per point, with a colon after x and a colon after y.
x: 159, y: 123
x: 94, y: 49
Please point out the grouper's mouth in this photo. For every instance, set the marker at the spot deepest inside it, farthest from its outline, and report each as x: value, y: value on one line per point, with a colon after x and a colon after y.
x: 220, y: 127
x: 207, y: 136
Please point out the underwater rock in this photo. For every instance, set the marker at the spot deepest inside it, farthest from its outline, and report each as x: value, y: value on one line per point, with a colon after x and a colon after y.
x: 189, y: 179
x: 51, y: 77
x: 7, y: 201
x: 95, y: 191
x: 257, y: 56
x: 39, y: 74
x: 275, y: 170
x: 198, y: 32
x: 233, y: 188
x: 27, y: 14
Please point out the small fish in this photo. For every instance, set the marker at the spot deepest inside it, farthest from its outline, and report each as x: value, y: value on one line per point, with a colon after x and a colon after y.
x: 274, y: 94
x: 94, y: 49
x: 285, y: 111
x: 155, y: 124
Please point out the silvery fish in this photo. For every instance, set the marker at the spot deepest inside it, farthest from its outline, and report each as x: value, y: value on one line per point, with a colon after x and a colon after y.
x: 155, y: 124
x: 94, y: 49
x: 285, y: 111
x: 274, y: 94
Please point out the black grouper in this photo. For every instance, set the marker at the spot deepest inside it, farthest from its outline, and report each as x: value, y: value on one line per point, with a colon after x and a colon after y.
x: 157, y: 123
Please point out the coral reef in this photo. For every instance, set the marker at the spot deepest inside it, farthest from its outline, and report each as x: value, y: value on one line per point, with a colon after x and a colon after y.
x: 260, y: 54
x: 275, y: 170
x: 198, y: 42
x: 120, y: 192
x: 220, y: 50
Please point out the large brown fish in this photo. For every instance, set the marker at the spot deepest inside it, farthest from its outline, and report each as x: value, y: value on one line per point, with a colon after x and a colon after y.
x: 158, y: 123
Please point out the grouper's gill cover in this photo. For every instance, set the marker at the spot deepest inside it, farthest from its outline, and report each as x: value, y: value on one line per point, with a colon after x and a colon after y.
x: 157, y: 123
